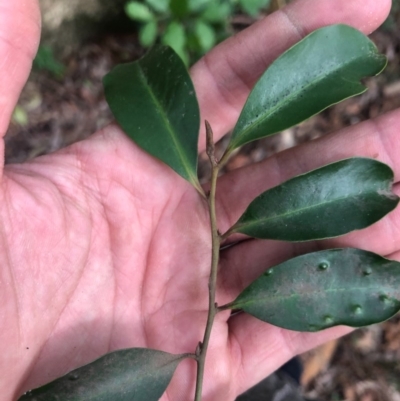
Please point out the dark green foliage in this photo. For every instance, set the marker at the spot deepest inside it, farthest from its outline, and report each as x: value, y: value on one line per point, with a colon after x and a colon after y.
x: 179, y: 8
x: 138, y: 374
x: 324, y: 68
x: 323, y: 289
x: 327, y: 202
x: 153, y: 100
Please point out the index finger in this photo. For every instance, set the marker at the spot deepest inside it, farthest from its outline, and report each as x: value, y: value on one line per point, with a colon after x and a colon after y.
x: 19, y: 39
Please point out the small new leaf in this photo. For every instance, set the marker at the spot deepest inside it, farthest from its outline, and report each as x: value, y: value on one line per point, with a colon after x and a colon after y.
x: 217, y: 13
x: 175, y: 37
x: 139, y: 374
x: 210, y: 148
x: 333, y: 200
x: 198, y: 5
x: 148, y: 34
x: 160, y: 6
x: 154, y: 101
x: 205, y: 35
x: 324, y: 289
x: 323, y: 69
x: 138, y: 11
x: 253, y: 7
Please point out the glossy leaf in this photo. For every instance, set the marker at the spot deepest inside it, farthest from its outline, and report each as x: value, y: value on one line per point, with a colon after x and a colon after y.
x: 138, y: 11
x: 139, y: 374
x: 323, y: 289
x: 333, y: 200
x: 324, y: 68
x: 153, y: 100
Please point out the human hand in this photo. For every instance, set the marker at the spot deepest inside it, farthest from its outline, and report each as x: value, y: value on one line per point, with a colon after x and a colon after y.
x: 103, y: 247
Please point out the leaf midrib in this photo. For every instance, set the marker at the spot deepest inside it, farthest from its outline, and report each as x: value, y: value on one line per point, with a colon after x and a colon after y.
x: 298, y: 211
x: 310, y: 293
x: 143, y: 375
x: 169, y: 128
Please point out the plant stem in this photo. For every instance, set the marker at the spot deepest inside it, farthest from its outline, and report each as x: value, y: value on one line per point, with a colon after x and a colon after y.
x: 212, y: 307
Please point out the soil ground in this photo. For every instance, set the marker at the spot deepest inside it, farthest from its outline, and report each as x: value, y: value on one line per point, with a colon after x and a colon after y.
x: 364, y: 366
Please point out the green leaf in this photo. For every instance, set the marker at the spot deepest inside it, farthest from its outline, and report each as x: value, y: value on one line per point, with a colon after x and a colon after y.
x: 198, y: 5
x: 148, y: 34
x: 138, y: 11
x: 174, y: 36
x: 217, y: 13
x: 253, y: 7
x: 160, y: 6
x: 205, y: 35
x: 333, y: 200
x: 139, y: 374
x: 324, y: 289
x: 323, y: 69
x: 179, y: 8
x: 154, y: 101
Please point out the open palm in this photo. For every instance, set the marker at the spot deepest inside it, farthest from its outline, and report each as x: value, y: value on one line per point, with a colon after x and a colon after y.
x: 103, y: 247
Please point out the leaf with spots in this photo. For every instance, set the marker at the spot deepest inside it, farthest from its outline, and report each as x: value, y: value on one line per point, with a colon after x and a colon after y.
x: 324, y: 68
x: 138, y: 374
x: 319, y: 290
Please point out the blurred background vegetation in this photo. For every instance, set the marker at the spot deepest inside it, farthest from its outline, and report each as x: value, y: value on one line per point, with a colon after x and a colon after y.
x: 63, y: 102
x: 190, y: 27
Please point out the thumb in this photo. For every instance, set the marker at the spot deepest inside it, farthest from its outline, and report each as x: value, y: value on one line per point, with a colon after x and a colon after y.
x: 19, y: 39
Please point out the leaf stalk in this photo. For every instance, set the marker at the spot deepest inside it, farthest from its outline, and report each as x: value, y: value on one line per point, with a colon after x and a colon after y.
x: 228, y: 233
x: 225, y: 307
